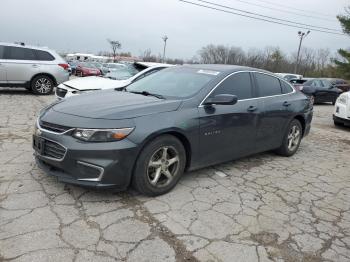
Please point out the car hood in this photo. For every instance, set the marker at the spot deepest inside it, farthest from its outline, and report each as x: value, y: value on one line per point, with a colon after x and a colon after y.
x: 111, y: 104
x: 95, y: 82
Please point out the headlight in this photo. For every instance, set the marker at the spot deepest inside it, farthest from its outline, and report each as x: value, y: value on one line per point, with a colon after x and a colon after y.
x: 343, y: 99
x: 102, y: 135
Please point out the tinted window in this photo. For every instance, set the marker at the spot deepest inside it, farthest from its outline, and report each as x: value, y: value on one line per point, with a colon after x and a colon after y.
x: 286, y: 88
x: 238, y: 84
x: 44, y: 56
x: 326, y: 83
x: 316, y: 83
x: 19, y: 53
x: 174, y: 82
x: 1, y: 51
x: 268, y: 85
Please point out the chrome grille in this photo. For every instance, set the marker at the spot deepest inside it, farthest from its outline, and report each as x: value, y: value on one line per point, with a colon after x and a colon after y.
x: 53, y: 127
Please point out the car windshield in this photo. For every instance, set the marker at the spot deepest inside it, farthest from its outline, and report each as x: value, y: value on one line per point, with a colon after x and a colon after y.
x: 174, y: 82
x: 97, y: 65
x: 121, y: 74
x: 115, y: 66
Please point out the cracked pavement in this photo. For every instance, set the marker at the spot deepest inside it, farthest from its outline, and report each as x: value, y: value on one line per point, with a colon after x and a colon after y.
x: 261, y: 208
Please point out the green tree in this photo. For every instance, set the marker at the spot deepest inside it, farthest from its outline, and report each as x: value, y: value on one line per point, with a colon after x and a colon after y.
x: 344, y: 66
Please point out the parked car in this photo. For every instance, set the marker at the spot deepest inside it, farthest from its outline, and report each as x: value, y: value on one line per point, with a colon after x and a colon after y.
x: 104, y: 70
x: 288, y: 76
x: 113, y: 66
x: 322, y: 90
x: 87, y: 69
x: 73, y: 66
x: 341, y: 114
x: 297, y: 83
x: 82, y: 85
x: 36, y: 68
x: 340, y: 83
x: 180, y: 118
x: 122, y: 74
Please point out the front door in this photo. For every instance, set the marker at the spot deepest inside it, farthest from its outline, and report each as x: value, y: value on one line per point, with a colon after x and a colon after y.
x: 20, y: 64
x: 228, y: 131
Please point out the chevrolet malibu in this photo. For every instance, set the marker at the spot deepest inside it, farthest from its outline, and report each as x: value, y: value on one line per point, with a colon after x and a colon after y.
x: 178, y: 119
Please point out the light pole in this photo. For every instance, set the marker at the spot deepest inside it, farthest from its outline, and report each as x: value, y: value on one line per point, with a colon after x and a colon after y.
x: 301, y: 35
x: 165, y: 38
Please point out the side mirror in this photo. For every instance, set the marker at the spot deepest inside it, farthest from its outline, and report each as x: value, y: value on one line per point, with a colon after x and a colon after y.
x: 223, y: 99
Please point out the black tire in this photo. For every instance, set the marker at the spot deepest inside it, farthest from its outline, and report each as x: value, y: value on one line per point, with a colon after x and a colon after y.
x: 286, y: 149
x: 42, y: 85
x: 145, y: 172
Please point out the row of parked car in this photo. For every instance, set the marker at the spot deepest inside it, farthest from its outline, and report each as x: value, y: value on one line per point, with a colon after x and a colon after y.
x: 91, y: 68
x: 117, y: 79
x: 323, y: 90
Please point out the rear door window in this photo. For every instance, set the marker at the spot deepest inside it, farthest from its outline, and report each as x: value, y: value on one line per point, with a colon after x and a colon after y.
x: 43, y: 55
x: 237, y: 84
x: 286, y: 88
x: 268, y: 85
x: 19, y: 53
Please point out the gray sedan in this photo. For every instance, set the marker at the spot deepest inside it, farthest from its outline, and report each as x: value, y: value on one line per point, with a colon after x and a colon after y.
x: 178, y: 119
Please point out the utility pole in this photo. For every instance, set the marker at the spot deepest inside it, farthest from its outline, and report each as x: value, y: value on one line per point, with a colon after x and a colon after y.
x: 165, y: 38
x: 301, y: 35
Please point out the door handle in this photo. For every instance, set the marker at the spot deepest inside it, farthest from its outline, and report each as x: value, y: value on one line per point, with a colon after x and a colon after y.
x: 252, y: 108
x: 286, y: 103
x: 35, y: 65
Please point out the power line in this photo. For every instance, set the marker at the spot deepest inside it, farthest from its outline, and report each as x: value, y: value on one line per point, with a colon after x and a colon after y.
x: 268, y: 17
x: 261, y: 19
x: 287, y: 11
x: 291, y: 7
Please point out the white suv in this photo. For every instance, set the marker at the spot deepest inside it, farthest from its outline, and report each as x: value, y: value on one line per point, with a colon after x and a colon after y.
x: 341, y: 114
x: 35, y: 68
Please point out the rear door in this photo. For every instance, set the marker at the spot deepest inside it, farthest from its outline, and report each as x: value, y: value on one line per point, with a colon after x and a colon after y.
x: 228, y: 131
x: 20, y: 64
x: 276, y: 111
x: 3, y: 79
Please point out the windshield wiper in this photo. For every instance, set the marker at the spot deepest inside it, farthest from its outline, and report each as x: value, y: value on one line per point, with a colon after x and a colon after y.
x: 146, y: 93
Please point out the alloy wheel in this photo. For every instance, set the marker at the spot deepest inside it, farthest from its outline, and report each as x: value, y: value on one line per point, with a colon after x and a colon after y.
x: 163, y: 166
x: 294, y: 137
x: 43, y: 85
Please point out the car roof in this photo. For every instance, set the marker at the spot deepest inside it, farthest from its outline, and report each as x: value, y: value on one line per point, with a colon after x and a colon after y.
x: 44, y: 48
x: 225, y: 68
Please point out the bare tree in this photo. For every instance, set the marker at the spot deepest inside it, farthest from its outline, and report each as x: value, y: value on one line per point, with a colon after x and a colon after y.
x: 114, y: 46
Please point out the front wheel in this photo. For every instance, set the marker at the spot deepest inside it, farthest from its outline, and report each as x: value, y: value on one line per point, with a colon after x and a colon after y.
x: 292, y: 139
x: 42, y: 85
x: 159, y: 166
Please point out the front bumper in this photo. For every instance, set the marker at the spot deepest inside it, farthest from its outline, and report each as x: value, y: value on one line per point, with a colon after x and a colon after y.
x: 101, y: 165
x: 344, y: 121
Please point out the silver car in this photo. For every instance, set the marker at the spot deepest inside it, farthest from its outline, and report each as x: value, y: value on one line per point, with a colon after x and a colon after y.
x: 36, y: 68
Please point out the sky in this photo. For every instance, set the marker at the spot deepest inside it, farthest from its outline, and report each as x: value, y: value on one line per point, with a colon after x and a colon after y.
x: 85, y: 25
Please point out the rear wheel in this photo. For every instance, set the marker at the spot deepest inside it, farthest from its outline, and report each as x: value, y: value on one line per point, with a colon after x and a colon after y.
x: 42, y: 85
x: 292, y: 139
x: 159, y: 166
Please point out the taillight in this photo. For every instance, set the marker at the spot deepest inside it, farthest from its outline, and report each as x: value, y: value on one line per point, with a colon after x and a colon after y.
x: 64, y: 66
